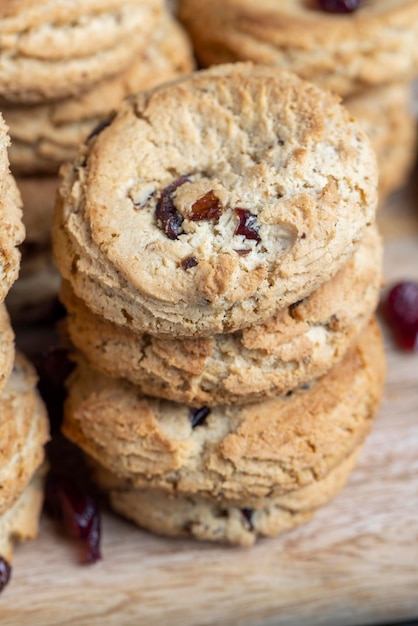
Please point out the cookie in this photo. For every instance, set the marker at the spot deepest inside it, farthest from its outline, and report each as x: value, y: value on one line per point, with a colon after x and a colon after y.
x: 47, y: 134
x: 298, y: 344
x: 34, y: 296
x: 248, y: 456
x: 385, y: 114
x: 189, y: 516
x: 23, y: 432
x: 12, y: 231
x: 211, y: 202
x: 38, y: 199
x: 55, y: 50
x: 7, y: 347
x: 345, y: 53
x: 21, y: 521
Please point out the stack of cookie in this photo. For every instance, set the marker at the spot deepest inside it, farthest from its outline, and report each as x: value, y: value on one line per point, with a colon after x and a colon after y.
x: 364, y: 51
x: 23, y: 422
x: 69, y: 67
x: 221, y: 268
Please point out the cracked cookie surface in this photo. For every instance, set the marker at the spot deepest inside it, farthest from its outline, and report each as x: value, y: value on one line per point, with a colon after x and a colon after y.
x: 372, y: 46
x: 46, y: 135
x: 207, y: 520
x: 298, y: 344
x: 244, y: 455
x: 56, y: 49
x: 211, y: 202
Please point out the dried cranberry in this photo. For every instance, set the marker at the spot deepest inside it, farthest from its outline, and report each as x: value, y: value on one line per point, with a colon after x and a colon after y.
x: 53, y: 367
x: 247, y: 225
x: 402, y: 312
x: 208, y: 207
x: 248, y: 516
x: 339, y: 6
x: 168, y: 218
x: 79, y: 512
x: 189, y: 262
x: 198, y: 416
x: 5, y: 573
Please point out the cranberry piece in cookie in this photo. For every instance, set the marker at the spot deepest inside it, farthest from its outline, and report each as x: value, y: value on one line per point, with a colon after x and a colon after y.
x: 198, y: 416
x: 247, y: 225
x: 208, y: 207
x: 168, y: 218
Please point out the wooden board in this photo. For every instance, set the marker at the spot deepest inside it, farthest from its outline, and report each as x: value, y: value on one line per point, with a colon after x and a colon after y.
x: 355, y: 563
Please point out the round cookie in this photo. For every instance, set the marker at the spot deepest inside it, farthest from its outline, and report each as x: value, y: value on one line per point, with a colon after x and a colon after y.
x: 248, y: 455
x: 23, y: 432
x: 189, y: 516
x: 345, y: 53
x: 12, y: 231
x: 54, y: 50
x: 157, y: 234
x: 385, y: 115
x: 298, y: 344
x: 47, y: 134
x: 21, y: 521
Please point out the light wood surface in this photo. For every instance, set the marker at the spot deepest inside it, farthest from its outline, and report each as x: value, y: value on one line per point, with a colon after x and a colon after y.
x: 355, y: 563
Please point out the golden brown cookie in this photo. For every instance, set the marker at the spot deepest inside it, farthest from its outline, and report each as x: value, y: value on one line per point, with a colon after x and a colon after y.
x: 215, y: 520
x: 46, y: 135
x: 248, y: 456
x: 12, y: 231
x: 21, y: 521
x: 213, y: 201
x: 374, y: 45
x: 23, y: 432
x: 298, y: 344
x: 385, y: 114
x: 57, y: 49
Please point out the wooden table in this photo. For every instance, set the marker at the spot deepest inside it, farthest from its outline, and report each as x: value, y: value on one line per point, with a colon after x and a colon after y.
x: 355, y: 563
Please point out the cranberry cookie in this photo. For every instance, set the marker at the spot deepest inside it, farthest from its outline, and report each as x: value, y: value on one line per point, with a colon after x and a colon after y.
x: 345, y: 52
x: 298, y: 344
x: 56, y: 49
x: 46, y: 135
x: 21, y: 521
x: 216, y: 520
x: 12, y: 231
x: 213, y: 201
x: 248, y: 456
x: 385, y: 114
x: 23, y: 432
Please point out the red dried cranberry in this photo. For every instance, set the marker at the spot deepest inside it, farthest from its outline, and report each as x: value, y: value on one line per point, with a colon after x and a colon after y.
x: 79, y: 513
x: 208, y: 207
x: 402, y: 312
x: 247, y: 225
x: 339, y: 6
x: 189, y: 262
x: 53, y: 367
x: 5, y: 573
x: 168, y: 218
x: 198, y: 416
